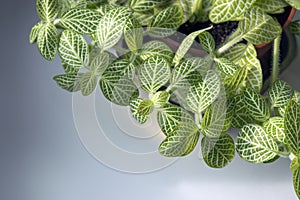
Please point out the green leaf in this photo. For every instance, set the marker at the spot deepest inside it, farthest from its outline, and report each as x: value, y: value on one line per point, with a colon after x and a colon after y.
x: 135, y: 106
x: 275, y: 128
x: 217, y: 118
x: 69, y: 82
x: 271, y: 6
x: 255, y: 145
x: 292, y: 126
x: 226, y: 66
x: 99, y: 63
x: 181, y: 142
x: 154, y: 73
x: 296, y: 179
x: 65, y: 5
x: 156, y: 48
x: 226, y: 10
x: 170, y: 116
x: 80, y: 20
x: 259, y: 27
x: 295, y: 164
x: 255, y: 78
x: 111, y: 26
x: 133, y: 33
x: 160, y: 98
x: 165, y: 22
x: 186, y: 45
x: 237, y: 81
x: 218, y: 152
x: 280, y: 93
x: 119, y: 90
x: 145, y: 5
x: 294, y: 3
x: 294, y: 27
x: 47, y: 9
x: 187, y: 73
x: 88, y: 83
x: 235, y: 53
x: 35, y: 32
x: 186, y: 7
x: 257, y: 106
x: 47, y: 41
x: 241, y: 115
x: 201, y: 95
x: 207, y: 42
x: 122, y: 67
x: 73, y: 50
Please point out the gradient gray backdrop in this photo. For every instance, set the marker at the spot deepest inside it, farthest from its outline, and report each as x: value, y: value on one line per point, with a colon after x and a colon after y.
x: 42, y: 157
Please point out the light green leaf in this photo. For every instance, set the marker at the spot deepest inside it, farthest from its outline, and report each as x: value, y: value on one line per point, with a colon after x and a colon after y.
x: 226, y: 66
x: 241, y: 116
x: 186, y: 73
x: 292, y: 126
x: 255, y: 78
x: 201, y: 95
x: 154, y: 73
x: 249, y: 58
x: 259, y: 27
x: 99, y: 63
x: 280, y: 93
x: 144, y: 17
x: 47, y: 41
x: 160, y: 98
x: 255, y: 145
x: 118, y: 90
x: 47, y: 9
x: 294, y: 3
x: 218, y: 152
x: 207, y: 42
x: 257, y: 106
x: 186, y: 7
x: 181, y: 142
x: 170, y: 116
x: 203, y: 16
x: 80, y: 20
x: 69, y: 82
x: 165, y: 22
x: 235, y: 83
x: 88, y: 83
x: 135, y: 105
x: 271, y: 6
x: 156, y: 48
x: 235, y: 53
x: 35, y: 32
x: 65, y: 5
x: 145, y: 5
x: 73, y: 50
x: 111, y: 26
x: 295, y: 164
x: 133, y: 34
x: 296, y: 179
x: 294, y: 27
x: 275, y: 128
x: 186, y: 45
x: 217, y: 118
x: 226, y: 10
x: 122, y: 67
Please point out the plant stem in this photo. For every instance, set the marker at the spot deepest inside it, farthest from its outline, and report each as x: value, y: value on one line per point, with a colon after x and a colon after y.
x: 229, y: 44
x: 283, y: 154
x: 198, y: 119
x: 276, y: 52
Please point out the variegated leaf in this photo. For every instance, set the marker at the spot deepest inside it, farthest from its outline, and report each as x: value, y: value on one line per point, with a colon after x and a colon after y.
x: 255, y: 78
x: 257, y: 106
x: 235, y: 83
x: 186, y: 45
x: 226, y: 66
x: 145, y: 5
x: 241, y: 116
x: 99, y: 63
x: 259, y: 27
x: 166, y: 22
x: 255, y: 145
x: 118, y: 90
x: 122, y: 67
x: 47, y: 9
x: 69, y: 82
x: 160, y: 98
x: 294, y: 27
x: 170, y: 116
x: 47, y: 41
x: 218, y: 152
x: 226, y: 10
x: 292, y: 126
x: 275, y: 128
x: 296, y: 177
x: 271, y: 6
x: 207, y: 42
x: 88, y: 83
x: 134, y: 108
x: 154, y: 73
x: 133, y: 34
x: 111, y: 26
x: 80, y: 20
x: 73, y: 50
x: 181, y: 142
x: 35, y: 32
x: 280, y: 93
x: 235, y: 53
x: 201, y: 95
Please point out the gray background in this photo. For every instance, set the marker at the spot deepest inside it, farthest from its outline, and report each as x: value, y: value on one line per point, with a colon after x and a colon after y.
x: 42, y: 157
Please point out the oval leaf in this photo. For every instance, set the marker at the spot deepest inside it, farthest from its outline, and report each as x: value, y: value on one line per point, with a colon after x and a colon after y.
x: 47, y: 9
x: 48, y: 41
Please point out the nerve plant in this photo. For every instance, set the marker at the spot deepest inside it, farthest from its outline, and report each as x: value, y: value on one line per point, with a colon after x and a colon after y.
x: 121, y: 46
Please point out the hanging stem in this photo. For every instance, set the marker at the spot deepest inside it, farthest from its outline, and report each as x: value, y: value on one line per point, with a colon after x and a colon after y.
x: 276, y: 52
